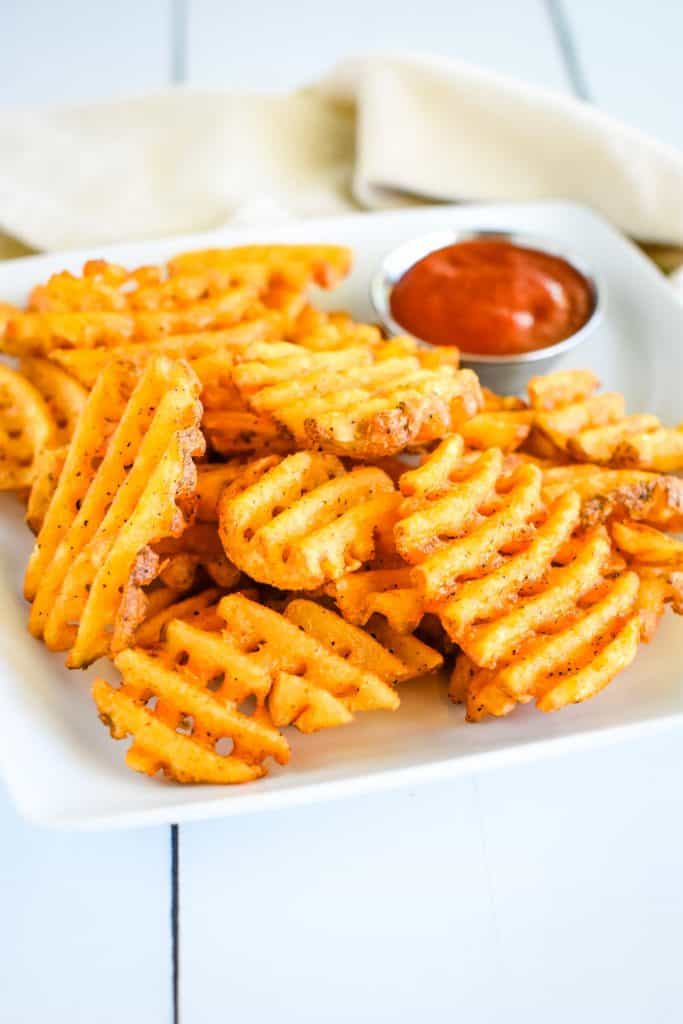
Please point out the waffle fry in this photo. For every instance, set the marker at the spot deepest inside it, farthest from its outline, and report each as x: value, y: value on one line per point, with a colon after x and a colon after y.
x: 324, y: 265
x: 563, y: 660
x: 63, y: 395
x: 506, y: 429
x: 26, y: 429
x: 126, y: 473
x: 198, y: 680
x: 85, y: 364
x: 564, y: 426
x: 47, y: 468
x: 534, y: 540
x: 659, y: 449
x: 572, y: 420
x: 351, y: 403
x: 496, y: 564
x: 199, y: 609
x: 212, y: 479
x: 314, y: 329
x: 29, y: 334
x: 458, y: 516
x: 561, y: 388
x: 199, y: 546
x: 299, y: 522
x: 659, y: 587
x: 312, y: 685
x: 390, y: 655
x: 232, y: 432
x: 657, y: 558
x: 386, y: 592
x: 619, y: 494
x: 647, y: 545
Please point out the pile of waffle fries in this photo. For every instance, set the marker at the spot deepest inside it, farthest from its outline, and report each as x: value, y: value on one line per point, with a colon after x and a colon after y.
x: 268, y: 516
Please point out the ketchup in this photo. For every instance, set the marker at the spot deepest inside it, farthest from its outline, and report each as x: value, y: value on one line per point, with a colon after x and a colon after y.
x: 490, y: 297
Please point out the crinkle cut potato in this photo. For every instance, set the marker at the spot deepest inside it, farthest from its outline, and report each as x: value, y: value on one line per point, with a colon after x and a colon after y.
x: 269, y: 516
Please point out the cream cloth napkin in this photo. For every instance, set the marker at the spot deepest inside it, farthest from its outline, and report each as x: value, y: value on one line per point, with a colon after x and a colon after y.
x: 378, y: 131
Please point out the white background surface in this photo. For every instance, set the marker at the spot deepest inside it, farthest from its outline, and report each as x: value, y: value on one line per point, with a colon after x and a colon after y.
x: 544, y: 891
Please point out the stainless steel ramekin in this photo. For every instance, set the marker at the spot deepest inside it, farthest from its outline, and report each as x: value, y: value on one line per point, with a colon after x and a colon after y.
x: 504, y: 374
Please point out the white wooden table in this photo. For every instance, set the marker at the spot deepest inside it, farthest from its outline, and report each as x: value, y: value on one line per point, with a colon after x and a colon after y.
x: 547, y: 891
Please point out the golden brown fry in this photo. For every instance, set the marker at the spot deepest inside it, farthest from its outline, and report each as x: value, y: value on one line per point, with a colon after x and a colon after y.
x: 63, y: 395
x: 302, y: 521
x: 40, y: 333
x: 198, y: 680
x: 190, y: 609
x: 324, y: 265
x: 47, y: 467
x: 85, y: 364
x: 212, y: 478
x: 199, y: 546
x: 26, y: 429
x: 500, y: 403
x: 112, y: 501
x: 313, y: 686
x: 386, y: 592
x: 232, y: 432
x: 390, y: 655
x: 371, y: 408
x: 459, y: 516
x: 561, y: 425
x: 660, y: 450
x: 598, y: 444
x: 647, y: 545
x: 561, y: 388
x: 564, y: 660
x: 619, y: 494
x: 505, y: 429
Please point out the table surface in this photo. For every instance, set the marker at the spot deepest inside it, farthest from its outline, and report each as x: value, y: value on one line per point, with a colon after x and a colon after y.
x: 545, y: 890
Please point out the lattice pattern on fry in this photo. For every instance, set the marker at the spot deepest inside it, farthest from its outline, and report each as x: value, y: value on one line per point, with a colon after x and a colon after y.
x: 566, y: 657
x: 572, y: 420
x: 182, y: 702
x: 126, y: 475
x: 324, y: 265
x: 163, y: 607
x: 40, y: 333
x: 490, y: 558
x: 26, y: 429
x: 199, y: 547
x: 299, y: 522
x: 47, y: 468
x: 314, y: 329
x: 460, y: 516
x: 63, y: 395
x: 657, y: 558
x: 619, y: 493
x: 317, y: 663
x: 387, y: 592
x: 351, y: 402
x: 232, y: 431
x: 111, y: 288
x: 85, y: 364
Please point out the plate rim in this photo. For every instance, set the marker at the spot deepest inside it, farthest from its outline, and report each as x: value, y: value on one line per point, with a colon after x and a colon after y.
x: 354, y: 782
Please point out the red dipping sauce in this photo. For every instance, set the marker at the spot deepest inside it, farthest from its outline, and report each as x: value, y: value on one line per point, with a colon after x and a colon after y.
x: 491, y: 297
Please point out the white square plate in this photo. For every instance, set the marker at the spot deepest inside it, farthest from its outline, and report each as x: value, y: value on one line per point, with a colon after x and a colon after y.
x: 59, y: 763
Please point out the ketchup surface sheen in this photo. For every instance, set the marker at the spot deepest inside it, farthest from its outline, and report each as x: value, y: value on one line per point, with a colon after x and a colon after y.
x: 491, y: 298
